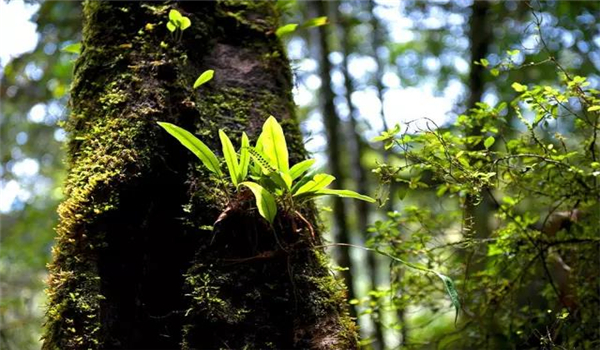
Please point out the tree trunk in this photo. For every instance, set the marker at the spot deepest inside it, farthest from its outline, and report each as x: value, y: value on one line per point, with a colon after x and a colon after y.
x: 136, y: 265
x: 359, y: 174
x: 334, y: 153
x: 480, y: 37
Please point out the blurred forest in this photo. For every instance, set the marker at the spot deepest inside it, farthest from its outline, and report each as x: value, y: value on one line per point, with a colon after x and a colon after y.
x: 474, y: 124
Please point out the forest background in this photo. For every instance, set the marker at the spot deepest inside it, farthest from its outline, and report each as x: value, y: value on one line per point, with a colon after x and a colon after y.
x: 490, y: 177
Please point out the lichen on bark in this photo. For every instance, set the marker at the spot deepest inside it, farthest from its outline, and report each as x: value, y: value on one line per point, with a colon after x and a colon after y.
x: 134, y: 266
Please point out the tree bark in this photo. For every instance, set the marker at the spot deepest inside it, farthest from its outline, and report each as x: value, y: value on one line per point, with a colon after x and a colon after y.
x: 135, y: 264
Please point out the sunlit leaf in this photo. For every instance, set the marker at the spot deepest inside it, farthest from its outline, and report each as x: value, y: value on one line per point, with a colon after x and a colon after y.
x: 315, y: 22
x: 73, y: 48
x: 175, y: 15
x: 298, y: 169
x: 184, y: 23
x: 262, y: 161
x: 171, y: 26
x: 318, y: 182
x: 344, y: 193
x: 274, y: 145
x: 286, y: 29
x: 489, y: 142
x: 205, y: 77
x: 244, y: 156
x: 265, y: 202
x: 230, y: 158
x: 192, y: 143
x: 519, y: 87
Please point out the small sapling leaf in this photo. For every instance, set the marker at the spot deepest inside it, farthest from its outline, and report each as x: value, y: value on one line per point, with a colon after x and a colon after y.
x: 72, y: 48
x: 315, y: 22
x: 185, y: 23
x: 286, y: 29
x: 205, y: 77
x: 171, y: 26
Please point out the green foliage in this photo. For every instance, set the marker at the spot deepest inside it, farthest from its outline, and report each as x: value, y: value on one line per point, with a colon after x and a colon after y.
x: 177, y: 21
x: 267, y: 206
x: 204, y: 78
x: 286, y: 29
x: 292, y: 27
x: 72, y: 48
x: 315, y: 22
x: 197, y: 147
x: 531, y: 167
x: 231, y: 160
x: 273, y: 178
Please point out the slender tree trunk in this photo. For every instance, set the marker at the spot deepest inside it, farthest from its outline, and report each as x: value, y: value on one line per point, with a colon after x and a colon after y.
x: 477, y: 215
x: 359, y: 174
x: 378, y: 41
x: 334, y: 152
x: 136, y: 265
x: 480, y: 37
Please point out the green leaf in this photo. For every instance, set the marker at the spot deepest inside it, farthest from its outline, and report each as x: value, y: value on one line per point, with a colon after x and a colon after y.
x: 274, y: 145
x: 286, y: 29
x: 282, y: 180
x: 591, y: 109
x: 489, y: 142
x: 298, y: 169
x: 344, y: 193
x: 318, y: 182
x: 452, y: 293
x: 171, y: 26
x: 402, y: 192
x: 175, y: 16
x: 265, y: 202
x: 287, y: 179
x: 303, y: 180
x: 230, y: 158
x: 519, y: 87
x: 484, y: 62
x: 244, y: 156
x: 73, y: 48
x: 204, y: 78
x: 192, y: 143
x: 184, y: 23
x: 315, y: 22
x: 261, y: 160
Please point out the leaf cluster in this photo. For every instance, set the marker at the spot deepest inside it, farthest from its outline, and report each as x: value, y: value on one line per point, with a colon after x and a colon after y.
x: 264, y: 169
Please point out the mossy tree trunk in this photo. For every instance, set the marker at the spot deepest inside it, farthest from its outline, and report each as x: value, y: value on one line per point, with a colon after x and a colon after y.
x: 135, y: 263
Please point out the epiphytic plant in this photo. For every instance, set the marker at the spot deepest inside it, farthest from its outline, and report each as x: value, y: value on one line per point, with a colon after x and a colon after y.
x: 270, y: 178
